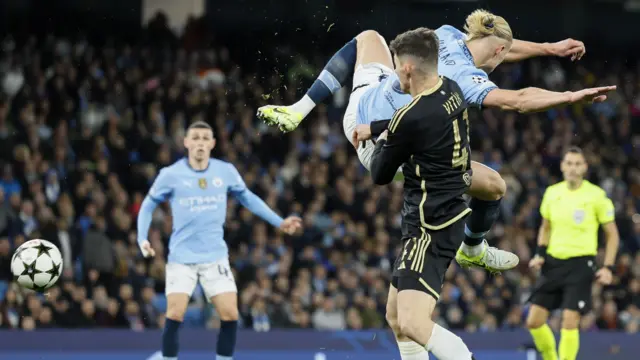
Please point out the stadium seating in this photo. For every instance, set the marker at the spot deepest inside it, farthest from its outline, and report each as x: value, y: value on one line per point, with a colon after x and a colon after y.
x: 105, y: 124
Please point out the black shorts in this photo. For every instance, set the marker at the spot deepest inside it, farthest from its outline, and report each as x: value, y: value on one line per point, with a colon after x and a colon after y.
x: 565, y: 284
x: 424, y: 260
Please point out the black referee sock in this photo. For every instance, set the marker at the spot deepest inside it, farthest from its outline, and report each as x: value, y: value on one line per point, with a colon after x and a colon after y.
x: 478, y: 224
x: 226, y: 340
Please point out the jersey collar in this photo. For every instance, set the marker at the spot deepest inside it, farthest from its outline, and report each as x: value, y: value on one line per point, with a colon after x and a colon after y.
x: 186, y: 162
x: 466, y: 51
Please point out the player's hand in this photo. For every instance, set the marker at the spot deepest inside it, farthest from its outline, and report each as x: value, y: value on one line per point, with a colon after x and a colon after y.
x: 569, y: 47
x: 536, y: 263
x: 604, y: 276
x: 147, y: 250
x: 360, y: 134
x: 591, y: 95
x: 291, y: 225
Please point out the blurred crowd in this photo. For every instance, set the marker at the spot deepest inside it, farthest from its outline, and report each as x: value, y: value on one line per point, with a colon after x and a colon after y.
x: 84, y: 129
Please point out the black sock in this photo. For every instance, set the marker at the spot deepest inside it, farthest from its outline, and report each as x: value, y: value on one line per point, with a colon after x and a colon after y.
x: 170, y: 338
x: 335, y: 74
x: 227, y: 338
x: 484, y: 214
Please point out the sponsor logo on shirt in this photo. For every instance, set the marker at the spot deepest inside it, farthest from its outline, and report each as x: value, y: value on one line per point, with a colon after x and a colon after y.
x: 202, y: 203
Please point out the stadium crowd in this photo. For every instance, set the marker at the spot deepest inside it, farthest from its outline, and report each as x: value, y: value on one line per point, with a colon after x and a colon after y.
x: 84, y: 129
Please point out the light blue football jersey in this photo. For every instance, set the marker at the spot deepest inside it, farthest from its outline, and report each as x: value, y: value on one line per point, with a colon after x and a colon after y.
x: 455, y: 62
x: 198, y: 202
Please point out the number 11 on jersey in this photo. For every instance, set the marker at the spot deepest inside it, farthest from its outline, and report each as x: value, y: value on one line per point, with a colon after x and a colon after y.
x: 460, y: 154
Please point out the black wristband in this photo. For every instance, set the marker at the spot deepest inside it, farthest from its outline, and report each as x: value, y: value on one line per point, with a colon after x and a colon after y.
x: 610, y: 267
x: 541, y: 250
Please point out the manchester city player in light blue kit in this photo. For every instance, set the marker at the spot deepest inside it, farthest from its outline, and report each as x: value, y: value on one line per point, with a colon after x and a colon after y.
x: 466, y: 58
x: 197, y: 188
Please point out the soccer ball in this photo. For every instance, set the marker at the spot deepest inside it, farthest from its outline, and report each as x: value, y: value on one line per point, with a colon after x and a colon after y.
x: 36, y: 265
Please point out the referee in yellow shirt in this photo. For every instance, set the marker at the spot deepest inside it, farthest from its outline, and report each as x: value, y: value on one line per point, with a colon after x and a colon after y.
x: 572, y: 211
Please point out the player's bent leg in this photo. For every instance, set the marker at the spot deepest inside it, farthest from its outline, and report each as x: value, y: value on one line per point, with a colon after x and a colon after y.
x: 487, y: 189
x: 372, y: 48
x: 180, y: 282
x: 541, y: 332
x: 569, y: 335
x: 333, y: 77
x: 409, y: 349
x: 415, y: 308
x: 486, y: 183
x: 372, y: 65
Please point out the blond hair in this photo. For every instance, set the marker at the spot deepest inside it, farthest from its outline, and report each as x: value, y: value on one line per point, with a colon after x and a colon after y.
x: 481, y: 23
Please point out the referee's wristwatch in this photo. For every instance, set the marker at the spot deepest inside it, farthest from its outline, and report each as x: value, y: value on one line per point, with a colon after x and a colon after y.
x: 541, y: 251
x: 610, y: 267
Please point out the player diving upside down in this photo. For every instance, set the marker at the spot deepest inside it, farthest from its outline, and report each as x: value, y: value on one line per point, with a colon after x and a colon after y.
x: 464, y: 58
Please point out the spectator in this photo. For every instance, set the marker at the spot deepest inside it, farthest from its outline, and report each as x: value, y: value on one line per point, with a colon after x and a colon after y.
x: 327, y: 317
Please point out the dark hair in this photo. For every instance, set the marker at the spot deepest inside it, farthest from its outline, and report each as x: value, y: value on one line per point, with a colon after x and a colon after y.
x: 574, y: 150
x: 421, y: 43
x: 200, y: 125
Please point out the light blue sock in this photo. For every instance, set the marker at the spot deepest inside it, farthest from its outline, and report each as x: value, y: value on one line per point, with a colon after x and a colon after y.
x: 220, y: 357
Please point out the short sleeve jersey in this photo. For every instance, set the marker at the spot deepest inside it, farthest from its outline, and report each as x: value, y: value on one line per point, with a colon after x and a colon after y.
x: 575, y: 216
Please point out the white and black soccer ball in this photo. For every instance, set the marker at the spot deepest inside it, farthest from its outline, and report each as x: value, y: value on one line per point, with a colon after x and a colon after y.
x: 36, y: 265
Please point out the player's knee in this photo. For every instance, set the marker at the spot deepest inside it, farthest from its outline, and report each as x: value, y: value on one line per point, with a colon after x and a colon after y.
x: 497, y: 186
x: 369, y: 36
x: 570, y: 319
x: 407, y: 325
x: 534, y: 322
x: 392, y: 320
x: 175, y: 313
x: 228, y: 313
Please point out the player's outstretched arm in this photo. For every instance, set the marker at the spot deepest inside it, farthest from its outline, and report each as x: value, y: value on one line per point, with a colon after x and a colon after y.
x: 251, y: 201
x: 257, y: 206
x: 531, y: 99
x: 522, y: 50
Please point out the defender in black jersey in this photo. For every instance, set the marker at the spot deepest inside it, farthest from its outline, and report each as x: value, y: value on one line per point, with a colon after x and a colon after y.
x: 429, y: 138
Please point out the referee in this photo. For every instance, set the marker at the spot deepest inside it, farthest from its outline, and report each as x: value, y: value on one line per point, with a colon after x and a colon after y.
x: 572, y: 211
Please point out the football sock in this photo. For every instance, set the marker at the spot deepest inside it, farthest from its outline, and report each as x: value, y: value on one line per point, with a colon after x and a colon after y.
x: 332, y: 78
x: 446, y: 345
x: 170, y: 339
x: 545, y: 342
x: 411, y: 350
x: 569, y: 344
x: 478, y: 224
x: 226, y: 340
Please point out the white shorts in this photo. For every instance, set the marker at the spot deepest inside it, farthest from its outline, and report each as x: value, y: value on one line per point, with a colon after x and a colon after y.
x: 215, y: 278
x: 365, y: 77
